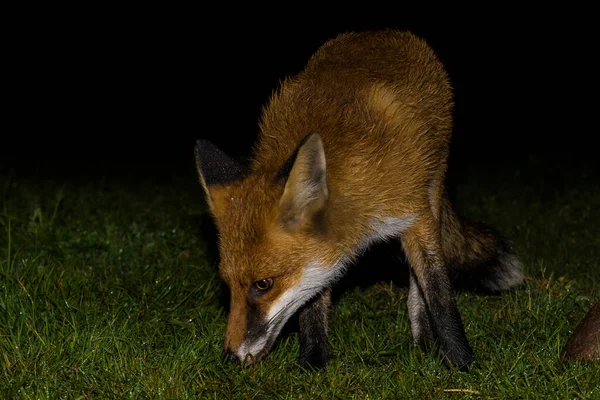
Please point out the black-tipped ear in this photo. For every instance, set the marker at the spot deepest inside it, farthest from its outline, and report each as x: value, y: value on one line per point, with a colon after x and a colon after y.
x: 215, y: 167
x: 306, y: 193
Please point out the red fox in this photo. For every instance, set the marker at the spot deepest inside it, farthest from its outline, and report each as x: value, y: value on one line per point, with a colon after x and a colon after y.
x: 351, y: 151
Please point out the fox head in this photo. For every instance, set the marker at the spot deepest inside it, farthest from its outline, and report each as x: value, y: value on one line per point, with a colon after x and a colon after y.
x: 273, y: 244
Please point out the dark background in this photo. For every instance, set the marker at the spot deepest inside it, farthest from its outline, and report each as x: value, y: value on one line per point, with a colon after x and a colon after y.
x: 94, y: 92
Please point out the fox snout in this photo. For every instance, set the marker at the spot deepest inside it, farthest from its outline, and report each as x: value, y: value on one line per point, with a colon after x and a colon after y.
x: 230, y: 357
x: 254, y: 325
x: 255, y: 343
x: 248, y: 336
x: 249, y: 359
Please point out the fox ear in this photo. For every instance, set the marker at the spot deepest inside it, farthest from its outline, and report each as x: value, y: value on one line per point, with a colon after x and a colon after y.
x: 215, y: 170
x: 305, y: 194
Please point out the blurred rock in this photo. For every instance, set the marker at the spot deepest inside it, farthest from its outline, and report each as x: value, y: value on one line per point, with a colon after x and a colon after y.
x: 584, y: 344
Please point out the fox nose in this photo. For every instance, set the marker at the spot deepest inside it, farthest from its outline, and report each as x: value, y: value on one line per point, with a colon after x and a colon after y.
x: 230, y: 356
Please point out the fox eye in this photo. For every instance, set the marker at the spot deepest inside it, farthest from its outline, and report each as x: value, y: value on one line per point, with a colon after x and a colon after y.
x: 263, y: 284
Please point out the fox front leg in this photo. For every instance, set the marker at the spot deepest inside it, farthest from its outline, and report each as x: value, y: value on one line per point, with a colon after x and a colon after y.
x: 424, y: 253
x: 314, y: 347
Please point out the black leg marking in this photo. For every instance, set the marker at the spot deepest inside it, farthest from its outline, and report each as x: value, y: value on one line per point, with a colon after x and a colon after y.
x: 446, y: 320
x: 427, y: 263
x: 314, y: 347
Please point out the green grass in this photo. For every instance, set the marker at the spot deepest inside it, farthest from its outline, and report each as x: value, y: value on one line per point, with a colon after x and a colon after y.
x: 108, y: 290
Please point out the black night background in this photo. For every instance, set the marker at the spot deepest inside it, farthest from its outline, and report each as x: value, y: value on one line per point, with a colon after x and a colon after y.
x: 126, y: 94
